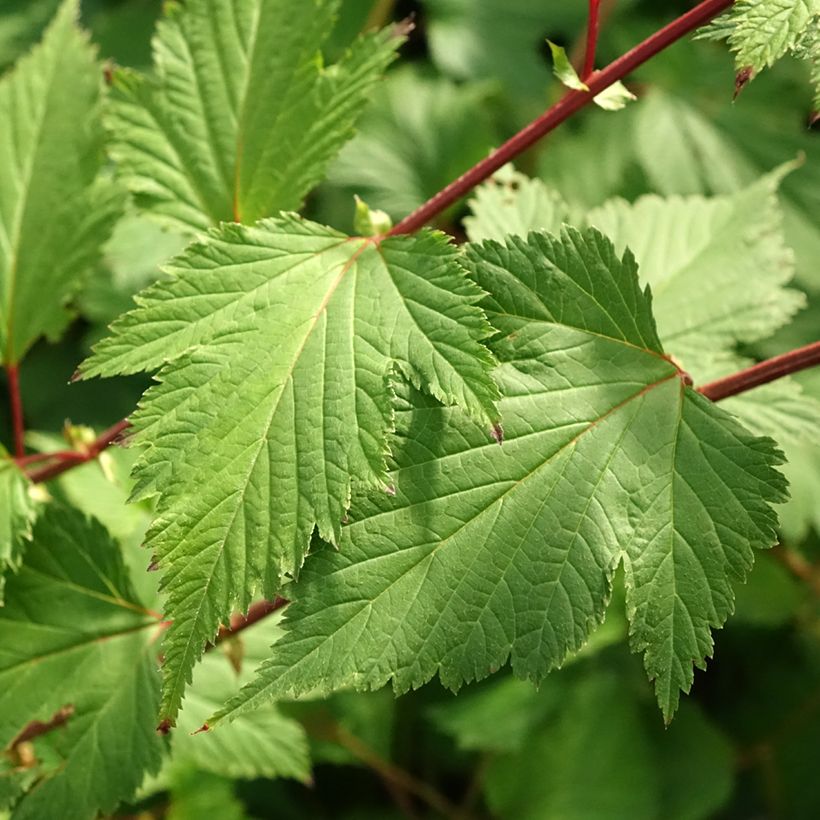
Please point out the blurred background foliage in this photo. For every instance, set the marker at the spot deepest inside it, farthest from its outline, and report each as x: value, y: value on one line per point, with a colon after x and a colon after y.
x: 590, y: 743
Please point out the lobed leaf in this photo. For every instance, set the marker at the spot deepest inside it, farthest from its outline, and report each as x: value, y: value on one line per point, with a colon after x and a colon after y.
x: 240, y: 118
x: 760, y: 32
x: 487, y: 556
x: 276, y: 345
x: 55, y: 214
x: 71, y: 617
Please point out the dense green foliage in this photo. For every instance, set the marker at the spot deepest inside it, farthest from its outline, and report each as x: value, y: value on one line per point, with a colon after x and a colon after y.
x: 474, y: 454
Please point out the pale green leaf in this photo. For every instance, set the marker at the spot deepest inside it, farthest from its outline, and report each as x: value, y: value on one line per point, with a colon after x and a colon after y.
x: 512, y: 203
x: 760, y: 32
x: 276, y: 345
x: 490, y: 555
x: 613, y: 98
x: 564, y: 70
x: 71, y: 620
x: 717, y: 267
x: 265, y: 744
x: 55, y: 214
x: 18, y: 510
x: 419, y: 134
x: 240, y: 117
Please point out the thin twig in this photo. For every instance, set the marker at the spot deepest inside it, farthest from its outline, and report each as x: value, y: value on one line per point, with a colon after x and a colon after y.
x: 256, y: 612
x: 67, y: 459
x: 568, y: 105
x: 16, y: 410
x: 798, y: 566
x: 392, y: 774
x: 763, y: 373
x: 593, y: 25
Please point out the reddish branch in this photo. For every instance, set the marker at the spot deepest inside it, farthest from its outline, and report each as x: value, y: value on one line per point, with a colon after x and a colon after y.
x: 256, y: 612
x: 41, y: 727
x: 763, y: 373
x: 572, y: 102
x: 593, y: 26
x: 16, y: 410
x: 66, y: 459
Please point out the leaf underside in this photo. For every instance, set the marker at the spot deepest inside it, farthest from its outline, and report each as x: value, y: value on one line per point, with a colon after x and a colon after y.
x: 240, y: 117
x: 491, y: 555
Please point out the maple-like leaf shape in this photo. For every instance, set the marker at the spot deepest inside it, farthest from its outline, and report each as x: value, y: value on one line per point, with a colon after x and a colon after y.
x: 488, y: 555
x: 74, y: 637
x: 240, y: 117
x: 276, y: 345
x: 55, y: 214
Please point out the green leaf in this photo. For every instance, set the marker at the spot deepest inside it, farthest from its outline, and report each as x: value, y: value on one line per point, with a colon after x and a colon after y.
x: 512, y: 203
x: 592, y: 750
x: 196, y: 794
x: 18, y: 511
x: 613, y: 98
x: 488, y: 555
x: 564, y: 70
x: 265, y: 744
x: 276, y: 345
x: 240, y: 118
x: 71, y: 618
x: 760, y: 32
x: 55, y: 214
x: 680, y: 244
x: 420, y: 134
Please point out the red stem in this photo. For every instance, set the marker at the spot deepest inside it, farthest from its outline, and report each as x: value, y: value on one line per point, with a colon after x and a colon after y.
x: 16, y: 410
x: 67, y: 459
x: 256, y: 612
x: 567, y: 106
x: 763, y: 373
x: 593, y: 26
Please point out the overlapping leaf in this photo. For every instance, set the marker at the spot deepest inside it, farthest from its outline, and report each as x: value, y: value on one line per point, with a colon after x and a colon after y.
x: 760, y: 32
x: 718, y: 268
x: 71, y: 618
x: 490, y: 555
x: 54, y: 213
x: 240, y: 118
x: 17, y: 514
x: 280, y: 341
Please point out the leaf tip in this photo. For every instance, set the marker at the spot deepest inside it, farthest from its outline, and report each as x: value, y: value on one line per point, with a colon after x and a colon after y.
x: 204, y: 728
x: 164, y: 726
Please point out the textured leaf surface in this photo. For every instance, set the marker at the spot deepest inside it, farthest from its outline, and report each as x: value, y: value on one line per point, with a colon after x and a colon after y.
x: 71, y: 618
x: 491, y: 555
x: 264, y: 744
x: 54, y: 218
x: 511, y: 203
x: 760, y: 32
x: 419, y: 134
x: 717, y: 268
x: 282, y: 339
x: 240, y: 118
x: 17, y: 513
